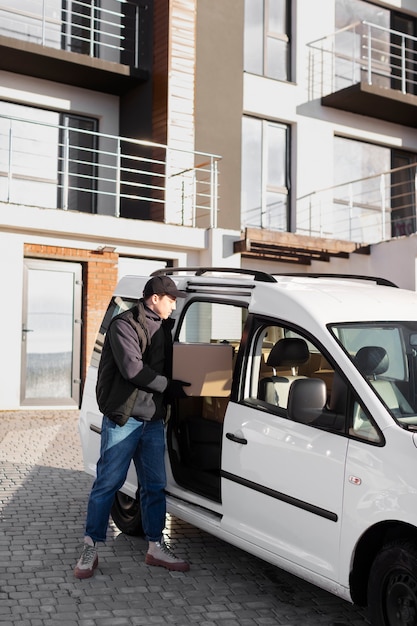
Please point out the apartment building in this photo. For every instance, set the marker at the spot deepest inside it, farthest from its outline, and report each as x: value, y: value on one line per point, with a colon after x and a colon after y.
x: 271, y: 134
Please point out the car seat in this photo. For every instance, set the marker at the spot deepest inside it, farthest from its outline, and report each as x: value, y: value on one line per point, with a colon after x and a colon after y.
x: 290, y: 353
x: 373, y: 362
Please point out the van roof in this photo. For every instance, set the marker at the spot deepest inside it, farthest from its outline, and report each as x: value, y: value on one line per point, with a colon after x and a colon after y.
x: 329, y: 298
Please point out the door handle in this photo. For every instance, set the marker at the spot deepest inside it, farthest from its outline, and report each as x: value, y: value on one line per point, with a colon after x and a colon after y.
x: 24, y: 331
x: 236, y: 439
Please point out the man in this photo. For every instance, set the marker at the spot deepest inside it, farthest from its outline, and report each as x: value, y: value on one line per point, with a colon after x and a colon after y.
x: 133, y: 387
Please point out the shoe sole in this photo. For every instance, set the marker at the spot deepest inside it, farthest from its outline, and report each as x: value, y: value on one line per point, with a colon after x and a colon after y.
x: 86, y: 573
x: 182, y: 566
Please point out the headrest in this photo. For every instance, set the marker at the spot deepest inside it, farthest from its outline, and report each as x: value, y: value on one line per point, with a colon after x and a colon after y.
x: 372, y: 360
x: 288, y: 352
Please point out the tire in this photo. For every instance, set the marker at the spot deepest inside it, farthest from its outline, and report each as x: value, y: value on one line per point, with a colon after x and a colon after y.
x: 392, y: 586
x: 126, y: 514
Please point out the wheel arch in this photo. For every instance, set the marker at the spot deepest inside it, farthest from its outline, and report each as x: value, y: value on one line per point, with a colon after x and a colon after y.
x: 366, y: 550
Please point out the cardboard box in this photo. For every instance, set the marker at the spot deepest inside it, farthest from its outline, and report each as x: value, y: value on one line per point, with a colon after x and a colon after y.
x: 207, y: 366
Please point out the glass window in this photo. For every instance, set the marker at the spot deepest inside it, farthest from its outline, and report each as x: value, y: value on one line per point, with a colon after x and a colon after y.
x: 267, y: 38
x: 103, y: 29
x: 283, y: 365
x: 28, y: 154
x: 357, y: 203
x: 78, y: 164
x: 212, y: 322
x: 377, y: 41
x: 354, y: 160
x: 264, y: 174
x: 47, y: 157
x: 254, y: 24
x: 370, y: 178
x: 349, y: 11
x: 385, y: 355
x: 31, y: 20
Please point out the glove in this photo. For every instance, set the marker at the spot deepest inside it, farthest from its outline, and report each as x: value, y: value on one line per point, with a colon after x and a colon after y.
x: 175, y: 389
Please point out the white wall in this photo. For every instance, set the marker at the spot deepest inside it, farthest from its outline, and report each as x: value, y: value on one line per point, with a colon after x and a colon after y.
x: 59, y: 97
x: 394, y: 260
x: 11, y: 289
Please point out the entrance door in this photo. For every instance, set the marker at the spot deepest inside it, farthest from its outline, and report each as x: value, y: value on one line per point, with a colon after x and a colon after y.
x: 51, y: 333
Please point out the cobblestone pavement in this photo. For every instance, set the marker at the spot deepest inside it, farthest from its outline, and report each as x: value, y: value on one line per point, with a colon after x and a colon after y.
x: 43, y: 494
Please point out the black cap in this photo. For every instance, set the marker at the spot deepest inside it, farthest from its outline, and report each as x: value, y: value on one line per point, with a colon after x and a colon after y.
x: 162, y: 286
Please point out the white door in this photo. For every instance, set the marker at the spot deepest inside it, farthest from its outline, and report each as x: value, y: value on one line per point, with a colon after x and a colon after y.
x: 51, y: 333
x: 282, y: 481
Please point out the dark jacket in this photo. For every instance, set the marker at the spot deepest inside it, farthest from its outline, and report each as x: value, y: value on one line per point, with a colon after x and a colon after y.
x: 135, y: 366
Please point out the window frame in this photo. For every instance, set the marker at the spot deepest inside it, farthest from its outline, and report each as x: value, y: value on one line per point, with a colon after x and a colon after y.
x: 264, y: 218
x: 250, y: 370
x: 268, y: 36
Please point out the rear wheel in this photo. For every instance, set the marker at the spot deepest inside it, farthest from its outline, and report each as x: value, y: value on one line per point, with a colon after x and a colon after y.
x: 127, y: 515
x: 392, y: 586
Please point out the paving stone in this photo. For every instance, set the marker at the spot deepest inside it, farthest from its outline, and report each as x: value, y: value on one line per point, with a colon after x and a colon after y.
x: 43, y: 497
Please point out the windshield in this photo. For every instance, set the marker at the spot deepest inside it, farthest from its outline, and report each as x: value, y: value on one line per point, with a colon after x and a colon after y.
x: 386, y: 355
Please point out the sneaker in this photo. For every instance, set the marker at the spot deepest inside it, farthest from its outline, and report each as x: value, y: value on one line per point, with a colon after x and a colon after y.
x: 88, y: 560
x: 159, y: 554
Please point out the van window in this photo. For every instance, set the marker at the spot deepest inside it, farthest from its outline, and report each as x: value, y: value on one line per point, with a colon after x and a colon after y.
x: 280, y: 356
x: 212, y: 322
x: 385, y: 355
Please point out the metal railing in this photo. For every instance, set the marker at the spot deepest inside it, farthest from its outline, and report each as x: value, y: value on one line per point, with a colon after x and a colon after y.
x: 64, y: 167
x: 367, y: 210
x: 363, y: 52
x: 106, y: 29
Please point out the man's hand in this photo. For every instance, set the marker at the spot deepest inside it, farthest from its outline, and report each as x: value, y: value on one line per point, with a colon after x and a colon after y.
x: 175, y: 389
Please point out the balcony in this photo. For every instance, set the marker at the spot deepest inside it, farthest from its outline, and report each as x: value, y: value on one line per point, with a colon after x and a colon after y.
x: 59, y: 166
x: 366, y: 69
x: 86, y: 43
x: 340, y: 220
x: 364, y: 211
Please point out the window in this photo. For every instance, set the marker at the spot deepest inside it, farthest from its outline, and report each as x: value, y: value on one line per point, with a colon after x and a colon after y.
x: 47, y: 156
x: 358, y: 160
x: 392, y: 56
x: 80, y: 26
x: 267, y: 42
x: 106, y: 30
x: 265, y: 174
x: 385, y: 355
x: 77, y: 165
x: 212, y: 322
x: 282, y: 360
x: 28, y: 154
x: 382, y: 178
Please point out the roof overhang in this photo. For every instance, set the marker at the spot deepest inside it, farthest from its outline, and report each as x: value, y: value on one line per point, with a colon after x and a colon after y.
x: 374, y: 101
x: 292, y: 248
x: 71, y: 68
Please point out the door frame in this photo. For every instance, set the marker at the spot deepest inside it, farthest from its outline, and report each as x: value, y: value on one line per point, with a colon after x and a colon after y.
x: 76, y: 268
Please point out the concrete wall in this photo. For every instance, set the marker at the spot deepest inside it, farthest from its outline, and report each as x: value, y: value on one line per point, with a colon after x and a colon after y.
x: 219, y: 96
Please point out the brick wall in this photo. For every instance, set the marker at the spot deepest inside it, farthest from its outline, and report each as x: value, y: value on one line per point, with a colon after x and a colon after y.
x: 99, y: 279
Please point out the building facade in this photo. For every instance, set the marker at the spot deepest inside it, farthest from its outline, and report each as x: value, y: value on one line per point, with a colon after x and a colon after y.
x: 271, y: 134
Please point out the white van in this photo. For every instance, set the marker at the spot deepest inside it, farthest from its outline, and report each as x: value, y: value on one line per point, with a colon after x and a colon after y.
x: 298, y: 439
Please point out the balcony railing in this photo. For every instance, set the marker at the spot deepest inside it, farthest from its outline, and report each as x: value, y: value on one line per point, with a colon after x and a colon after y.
x: 106, y: 30
x: 63, y: 167
x: 368, y: 210
x: 363, y: 52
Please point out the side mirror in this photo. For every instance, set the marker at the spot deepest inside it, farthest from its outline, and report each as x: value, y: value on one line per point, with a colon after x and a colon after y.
x: 306, y: 399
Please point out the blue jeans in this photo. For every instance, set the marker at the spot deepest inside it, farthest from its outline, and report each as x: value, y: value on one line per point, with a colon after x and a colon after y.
x: 144, y: 443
